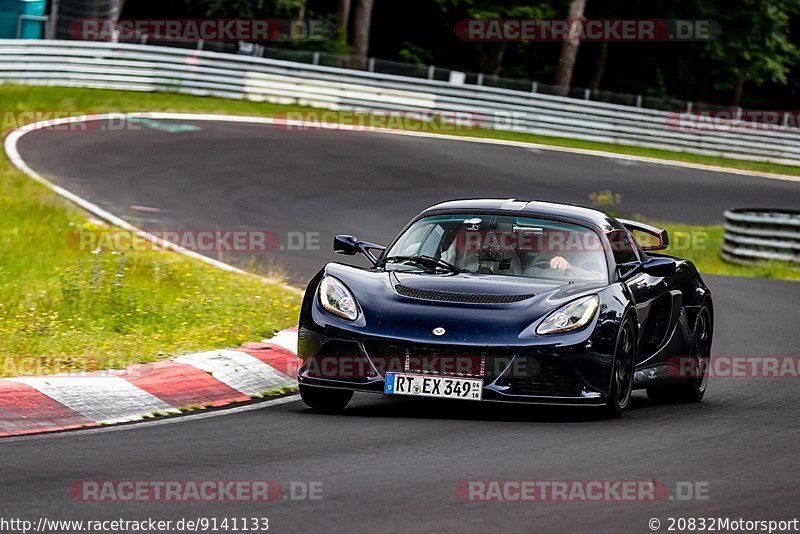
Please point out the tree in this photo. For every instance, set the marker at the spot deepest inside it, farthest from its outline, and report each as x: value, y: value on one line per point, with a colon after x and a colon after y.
x: 599, y: 66
x: 241, y: 9
x: 343, y: 18
x: 569, y: 48
x: 361, y: 28
x: 755, y: 45
x: 491, y: 54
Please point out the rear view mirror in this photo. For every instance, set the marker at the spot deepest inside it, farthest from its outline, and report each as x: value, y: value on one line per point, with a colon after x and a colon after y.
x: 648, y: 237
x: 350, y: 246
x: 345, y: 244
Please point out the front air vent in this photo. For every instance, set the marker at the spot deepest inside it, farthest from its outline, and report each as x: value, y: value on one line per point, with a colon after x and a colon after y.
x: 463, y: 298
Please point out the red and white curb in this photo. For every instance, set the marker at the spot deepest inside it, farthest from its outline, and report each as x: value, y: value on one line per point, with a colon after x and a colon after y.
x: 30, y: 405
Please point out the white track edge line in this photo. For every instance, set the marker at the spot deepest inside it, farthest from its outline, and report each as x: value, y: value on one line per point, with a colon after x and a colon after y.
x: 10, y: 146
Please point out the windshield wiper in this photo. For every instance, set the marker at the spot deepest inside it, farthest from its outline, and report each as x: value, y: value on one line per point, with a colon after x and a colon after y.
x: 427, y: 261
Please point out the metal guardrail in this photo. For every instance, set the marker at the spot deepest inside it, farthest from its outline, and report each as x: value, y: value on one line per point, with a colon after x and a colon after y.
x: 761, y: 234
x: 156, y: 68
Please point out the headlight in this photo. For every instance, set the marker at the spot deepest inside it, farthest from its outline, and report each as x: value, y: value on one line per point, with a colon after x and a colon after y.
x: 571, y: 316
x: 336, y: 298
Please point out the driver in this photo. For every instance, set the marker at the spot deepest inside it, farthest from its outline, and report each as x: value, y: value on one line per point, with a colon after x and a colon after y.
x: 563, y: 265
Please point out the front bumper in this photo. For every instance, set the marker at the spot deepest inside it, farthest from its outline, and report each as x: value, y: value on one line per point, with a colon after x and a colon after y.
x: 532, y: 372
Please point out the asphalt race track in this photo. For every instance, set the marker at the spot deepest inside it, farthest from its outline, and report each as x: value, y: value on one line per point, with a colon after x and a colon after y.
x: 394, y: 465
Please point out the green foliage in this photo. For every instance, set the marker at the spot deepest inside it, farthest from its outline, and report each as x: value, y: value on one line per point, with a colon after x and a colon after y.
x: 756, y: 51
x: 412, y: 53
x: 246, y: 8
x: 755, y: 41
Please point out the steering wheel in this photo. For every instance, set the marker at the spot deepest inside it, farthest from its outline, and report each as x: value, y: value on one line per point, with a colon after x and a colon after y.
x: 541, y: 264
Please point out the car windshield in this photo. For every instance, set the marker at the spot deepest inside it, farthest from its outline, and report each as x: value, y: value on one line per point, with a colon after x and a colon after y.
x: 500, y: 244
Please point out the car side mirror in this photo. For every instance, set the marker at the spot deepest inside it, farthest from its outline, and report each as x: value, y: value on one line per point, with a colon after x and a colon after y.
x: 350, y: 246
x: 346, y: 245
x: 660, y: 267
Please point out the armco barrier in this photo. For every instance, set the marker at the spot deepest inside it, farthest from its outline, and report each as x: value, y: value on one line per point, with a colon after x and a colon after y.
x: 761, y: 234
x: 156, y: 68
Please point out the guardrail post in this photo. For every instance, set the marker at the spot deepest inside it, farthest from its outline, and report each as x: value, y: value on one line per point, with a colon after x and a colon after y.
x: 200, y: 44
x: 315, y: 58
x: 535, y: 87
x: 689, y: 106
x: 431, y: 72
x: 638, y: 101
x: 50, y: 31
x: 587, y: 93
x: 480, y: 78
x: 371, y: 64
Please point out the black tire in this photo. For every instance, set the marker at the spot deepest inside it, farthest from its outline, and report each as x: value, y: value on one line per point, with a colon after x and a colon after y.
x: 325, y: 400
x: 693, y: 388
x: 619, y: 395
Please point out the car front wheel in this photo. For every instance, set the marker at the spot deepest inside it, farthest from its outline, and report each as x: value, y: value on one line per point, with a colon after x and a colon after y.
x: 619, y: 395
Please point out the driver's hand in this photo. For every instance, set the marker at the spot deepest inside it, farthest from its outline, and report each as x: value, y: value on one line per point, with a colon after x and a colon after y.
x: 559, y: 264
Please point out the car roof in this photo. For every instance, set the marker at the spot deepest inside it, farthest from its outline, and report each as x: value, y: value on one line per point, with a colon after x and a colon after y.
x: 526, y: 207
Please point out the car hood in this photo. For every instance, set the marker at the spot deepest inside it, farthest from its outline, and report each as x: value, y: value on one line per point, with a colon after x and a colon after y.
x: 468, y: 306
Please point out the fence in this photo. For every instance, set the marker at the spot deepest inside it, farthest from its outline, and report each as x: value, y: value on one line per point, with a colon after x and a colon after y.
x: 198, y: 72
x: 761, y: 234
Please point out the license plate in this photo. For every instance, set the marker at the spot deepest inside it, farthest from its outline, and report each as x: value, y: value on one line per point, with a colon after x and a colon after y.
x: 445, y: 387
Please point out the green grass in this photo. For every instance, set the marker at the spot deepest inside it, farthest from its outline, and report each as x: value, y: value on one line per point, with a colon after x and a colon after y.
x: 703, y: 244
x: 66, y: 310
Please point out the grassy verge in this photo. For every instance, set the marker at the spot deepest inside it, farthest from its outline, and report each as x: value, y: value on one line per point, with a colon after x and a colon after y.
x: 66, y: 310
x: 703, y: 244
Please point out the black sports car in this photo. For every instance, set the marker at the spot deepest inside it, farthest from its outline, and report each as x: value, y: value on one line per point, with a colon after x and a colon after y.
x: 512, y: 301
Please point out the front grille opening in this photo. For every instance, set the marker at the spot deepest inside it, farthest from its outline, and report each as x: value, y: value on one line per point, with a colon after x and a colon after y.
x: 339, y: 360
x: 540, y: 376
x: 462, y: 298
